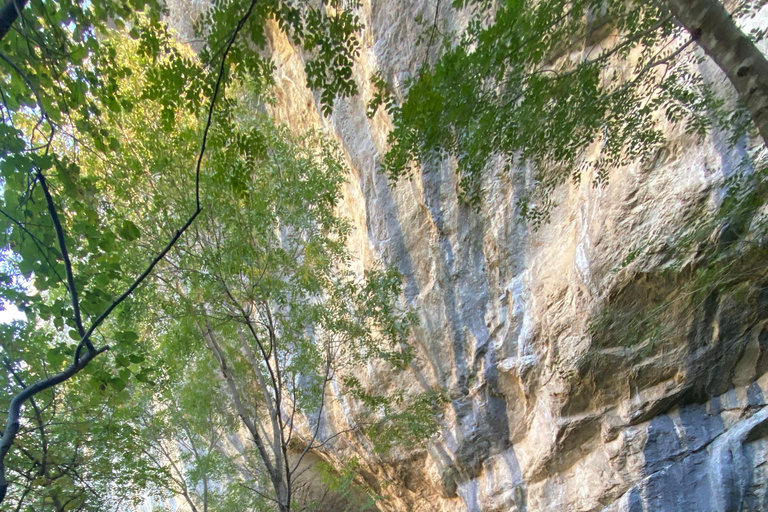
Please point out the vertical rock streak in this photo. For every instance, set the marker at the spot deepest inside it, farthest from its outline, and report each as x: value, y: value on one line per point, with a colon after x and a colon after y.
x: 543, y: 415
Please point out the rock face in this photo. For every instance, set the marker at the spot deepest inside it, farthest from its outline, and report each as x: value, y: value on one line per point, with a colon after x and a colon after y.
x: 546, y: 414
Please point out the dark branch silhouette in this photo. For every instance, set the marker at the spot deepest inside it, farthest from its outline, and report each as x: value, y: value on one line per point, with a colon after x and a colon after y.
x: 7, y: 16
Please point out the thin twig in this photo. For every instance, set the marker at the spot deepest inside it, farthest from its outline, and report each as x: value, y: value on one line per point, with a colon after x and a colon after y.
x: 216, y: 93
x: 34, y: 90
x: 38, y: 243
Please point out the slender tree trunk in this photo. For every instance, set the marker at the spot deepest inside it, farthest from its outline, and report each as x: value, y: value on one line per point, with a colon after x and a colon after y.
x: 283, y: 496
x: 205, y: 491
x: 742, y: 62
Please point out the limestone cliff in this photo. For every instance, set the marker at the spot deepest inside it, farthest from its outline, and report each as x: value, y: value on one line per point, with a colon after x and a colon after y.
x: 546, y: 414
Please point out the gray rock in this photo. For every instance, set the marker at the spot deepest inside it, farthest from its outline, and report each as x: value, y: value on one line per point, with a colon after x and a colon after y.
x: 546, y: 414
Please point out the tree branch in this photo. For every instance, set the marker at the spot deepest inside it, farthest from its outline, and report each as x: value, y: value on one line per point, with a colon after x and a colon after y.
x: 38, y: 243
x: 721, y: 38
x: 127, y: 293
x: 14, y: 410
x: 9, y: 14
x: 216, y: 93
x: 65, y: 256
x: 220, y: 357
x: 319, y: 419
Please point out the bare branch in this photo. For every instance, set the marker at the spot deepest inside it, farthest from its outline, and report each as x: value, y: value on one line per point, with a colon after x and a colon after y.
x: 319, y: 419
x: 270, y: 498
x: 220, y: 357
x: 65, y: 256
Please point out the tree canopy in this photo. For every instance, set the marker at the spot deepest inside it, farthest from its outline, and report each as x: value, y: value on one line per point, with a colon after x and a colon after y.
x: 180, y: 259
x: 129, y: 160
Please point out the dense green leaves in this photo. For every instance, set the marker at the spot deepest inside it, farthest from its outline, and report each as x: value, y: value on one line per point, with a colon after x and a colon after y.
x: 105, y: 108
x: 256, y: 311
x: 262, y: 291
x: 327, y: 32
x: 571, y: 88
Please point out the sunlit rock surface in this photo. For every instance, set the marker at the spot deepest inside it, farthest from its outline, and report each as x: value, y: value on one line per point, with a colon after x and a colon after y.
x: 545, y: 415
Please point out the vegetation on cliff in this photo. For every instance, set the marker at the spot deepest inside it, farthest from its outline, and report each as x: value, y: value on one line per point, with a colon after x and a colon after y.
x: 179, y: 258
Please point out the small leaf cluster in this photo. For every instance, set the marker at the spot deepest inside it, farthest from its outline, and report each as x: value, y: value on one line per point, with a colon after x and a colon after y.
x: 327, y: 32
x: 397, y: 420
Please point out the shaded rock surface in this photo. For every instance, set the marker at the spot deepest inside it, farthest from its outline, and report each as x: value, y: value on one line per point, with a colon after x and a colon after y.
x: 545, y: 414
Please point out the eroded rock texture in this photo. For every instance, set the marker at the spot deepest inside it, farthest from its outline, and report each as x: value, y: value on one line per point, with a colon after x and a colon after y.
x: 546, y: 414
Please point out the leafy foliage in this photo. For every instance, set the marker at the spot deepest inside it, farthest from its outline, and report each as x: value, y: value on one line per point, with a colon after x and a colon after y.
x: 281, y: 327
x: 327, y: 32
x: 341, y: 483
x: 102, y: 113
x: 70, y: 454
x: 252, y: 316
x: 67, y: 235
x: 571, y: 88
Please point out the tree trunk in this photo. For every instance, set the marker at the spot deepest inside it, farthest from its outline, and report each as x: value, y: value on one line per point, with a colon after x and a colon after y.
x: 742, y: 62
x: 283, y: 495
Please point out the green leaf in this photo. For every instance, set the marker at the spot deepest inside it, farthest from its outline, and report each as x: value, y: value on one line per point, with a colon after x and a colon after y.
x: 127, y: 337
x: 118, y: 384
x: 136, y: 358
x: 55, y: 357
x: 129, y: 231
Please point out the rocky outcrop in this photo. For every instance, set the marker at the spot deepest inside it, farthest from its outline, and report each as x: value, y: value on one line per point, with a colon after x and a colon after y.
x: 546, y: 412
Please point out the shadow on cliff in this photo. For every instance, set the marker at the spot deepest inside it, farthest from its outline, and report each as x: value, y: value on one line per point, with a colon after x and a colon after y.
x: 706, y: 457
x: 459, y: 296
x: 690, y: 386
